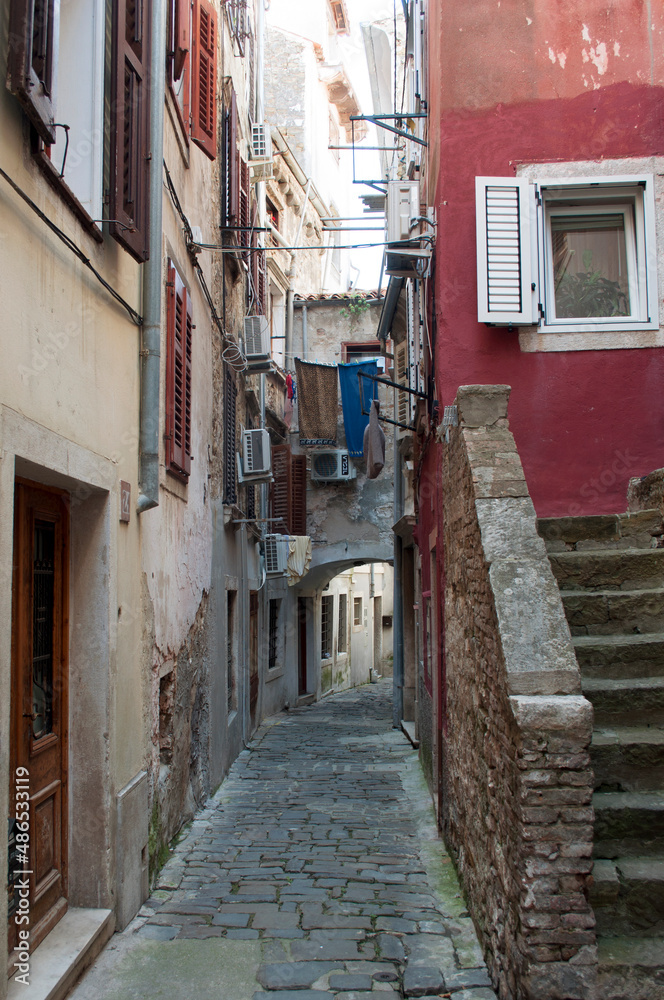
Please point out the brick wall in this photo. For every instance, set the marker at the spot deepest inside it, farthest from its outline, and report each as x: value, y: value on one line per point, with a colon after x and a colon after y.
x: 517, y: 784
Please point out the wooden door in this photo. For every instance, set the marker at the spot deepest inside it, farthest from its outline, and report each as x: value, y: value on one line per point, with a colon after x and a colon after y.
x: 39, y: 706
x: 253, y: 655
x: 302, y: 645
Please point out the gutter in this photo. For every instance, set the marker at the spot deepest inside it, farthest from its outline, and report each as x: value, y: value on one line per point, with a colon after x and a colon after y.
x: 152, y: 278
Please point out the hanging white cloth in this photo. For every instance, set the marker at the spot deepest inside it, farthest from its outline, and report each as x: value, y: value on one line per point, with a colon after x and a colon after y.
x: 299, y: 558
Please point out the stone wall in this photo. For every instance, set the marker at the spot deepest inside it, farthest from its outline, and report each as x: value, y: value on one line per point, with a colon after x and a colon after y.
x: 517, y: 783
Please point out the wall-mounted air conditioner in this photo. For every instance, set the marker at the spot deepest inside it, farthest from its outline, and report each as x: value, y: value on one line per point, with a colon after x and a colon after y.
x: 261, y: 162
x: 276, y: 554
x: 256, y: 338
x: 403, y: 207
x: 256, y: 453
x: 407, y: 262
x: 332, y: 466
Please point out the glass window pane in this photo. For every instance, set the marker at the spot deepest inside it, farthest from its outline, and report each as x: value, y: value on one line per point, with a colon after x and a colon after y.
x: 590, y: 272
x: 42, y: 628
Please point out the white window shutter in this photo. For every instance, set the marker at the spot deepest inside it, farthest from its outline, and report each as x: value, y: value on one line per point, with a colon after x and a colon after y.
x: 506, y: 231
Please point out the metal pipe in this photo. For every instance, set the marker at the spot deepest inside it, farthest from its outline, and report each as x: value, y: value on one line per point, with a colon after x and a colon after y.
x: 288, y: 347
x: 305, y: 333
x: 152, y: 278
x: 398, y: 651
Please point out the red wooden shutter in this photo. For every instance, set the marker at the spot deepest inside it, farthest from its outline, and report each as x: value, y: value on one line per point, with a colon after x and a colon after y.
x: 281, y: 488
x: 230, y: 468
x: 204, y: 78
x: 181, y: 36
x: 299, y: 494
x: 179, y: 329
x: 30, y: 61
x: 244, y: 219
x: 130, y: 119
x: 289, y: 491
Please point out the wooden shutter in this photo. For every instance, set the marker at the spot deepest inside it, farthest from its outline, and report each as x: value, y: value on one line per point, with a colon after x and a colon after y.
x: 204, y: 78
x: 230, y: 466
x: 299, y: 494
x: 244, y: 219
x: 231, y: 207
x: 178, y: 375
x: 280, y: 491
x: 31, y: 60
x: 130, y: 119
x: 506, y: 278
x: 288, y: 493
x: 181, y: 36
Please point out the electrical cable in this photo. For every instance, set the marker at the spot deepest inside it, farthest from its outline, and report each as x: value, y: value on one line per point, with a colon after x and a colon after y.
x: 75, y: 249
x: 231, y: 347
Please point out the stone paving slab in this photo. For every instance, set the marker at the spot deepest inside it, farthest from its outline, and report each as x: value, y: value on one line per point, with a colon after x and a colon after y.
x: 316, y: 871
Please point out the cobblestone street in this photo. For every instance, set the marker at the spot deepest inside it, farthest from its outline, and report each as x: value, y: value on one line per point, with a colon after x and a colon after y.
x: 316, y: 871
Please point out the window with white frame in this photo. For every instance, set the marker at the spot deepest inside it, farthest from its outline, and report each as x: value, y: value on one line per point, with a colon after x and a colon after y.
x: 570, y: 255
x: 326, y: 626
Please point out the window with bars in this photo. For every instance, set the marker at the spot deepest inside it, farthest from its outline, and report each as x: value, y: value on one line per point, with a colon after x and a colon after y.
x: 342, y: 627
x: 238, y: 22
x: 179, y: 330
x: 273, y: 633
x: 326, y: 626
x: 288, y: 493
x: 230, y: 439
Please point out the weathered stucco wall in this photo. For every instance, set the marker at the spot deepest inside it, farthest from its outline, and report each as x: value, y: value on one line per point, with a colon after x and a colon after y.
x: 517, y: 783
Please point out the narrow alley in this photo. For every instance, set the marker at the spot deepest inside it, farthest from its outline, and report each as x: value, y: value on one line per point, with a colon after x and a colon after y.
x: 316, y: 871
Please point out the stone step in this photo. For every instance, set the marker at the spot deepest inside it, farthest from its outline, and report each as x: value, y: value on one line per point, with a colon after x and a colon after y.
x: 628, y: 824
x: 628, y: 896
x: 624, y: 569
x: 627, y: 701
x: 628, y: 759
x: 610, y: 612
x: 636, y: 530
x: 621, y: 655
x: 630, y: 968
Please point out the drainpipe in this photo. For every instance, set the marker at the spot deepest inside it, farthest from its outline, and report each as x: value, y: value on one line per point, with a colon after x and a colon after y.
x: 152, y: 277
x: 398, y: 658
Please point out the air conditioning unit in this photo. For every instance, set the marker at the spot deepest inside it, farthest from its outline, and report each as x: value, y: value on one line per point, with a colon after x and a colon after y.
x: 256, y: 338
x: 261, y: 142
x: 403, y: 206
x: 407, y: 262
x: 256, y: 453
x: 276, y: 554
x: 332, y: 466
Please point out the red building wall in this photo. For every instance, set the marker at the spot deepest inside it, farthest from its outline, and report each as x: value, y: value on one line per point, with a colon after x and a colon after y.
x: 528, y: 81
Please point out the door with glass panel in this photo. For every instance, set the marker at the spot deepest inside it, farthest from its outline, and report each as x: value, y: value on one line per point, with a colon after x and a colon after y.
x: 39, y: 712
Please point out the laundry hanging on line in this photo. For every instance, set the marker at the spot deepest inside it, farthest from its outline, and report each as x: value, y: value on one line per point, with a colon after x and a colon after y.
x: 352, y: 401
x: 374, y: 444
x: 317, y: 396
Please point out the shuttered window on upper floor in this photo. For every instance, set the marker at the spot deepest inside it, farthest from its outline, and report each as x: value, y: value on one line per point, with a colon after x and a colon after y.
x: 288, y: 494
x: 179, y: 332
x: 504, y: 216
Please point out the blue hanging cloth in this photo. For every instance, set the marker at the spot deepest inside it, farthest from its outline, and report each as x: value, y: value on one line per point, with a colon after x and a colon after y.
x: 355, y: 421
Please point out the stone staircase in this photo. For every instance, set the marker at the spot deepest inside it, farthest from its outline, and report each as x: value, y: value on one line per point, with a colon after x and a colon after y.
x: 610, y: 571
